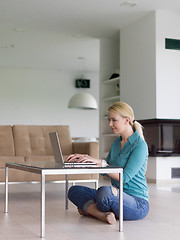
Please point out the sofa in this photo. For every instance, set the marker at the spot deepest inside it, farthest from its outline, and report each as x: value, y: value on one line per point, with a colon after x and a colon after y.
x: 31, y: 143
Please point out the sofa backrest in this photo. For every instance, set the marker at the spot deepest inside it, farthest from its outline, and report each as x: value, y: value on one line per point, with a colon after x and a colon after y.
x: 33, y: 140
x: 6, y: 141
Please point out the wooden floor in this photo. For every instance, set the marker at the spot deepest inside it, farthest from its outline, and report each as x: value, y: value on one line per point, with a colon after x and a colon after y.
x: 23, y: 220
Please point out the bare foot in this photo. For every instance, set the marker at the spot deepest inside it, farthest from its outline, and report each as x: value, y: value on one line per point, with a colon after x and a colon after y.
x: 81, y: 212
x: 110, y: 217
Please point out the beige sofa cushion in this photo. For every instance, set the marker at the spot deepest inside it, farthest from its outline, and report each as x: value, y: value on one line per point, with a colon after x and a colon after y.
x: 33, y: 140
x: 39, y: 159
x: 5, y: 159
x: 14, y: 175
x: 6, y: 141
x: 90, y: 148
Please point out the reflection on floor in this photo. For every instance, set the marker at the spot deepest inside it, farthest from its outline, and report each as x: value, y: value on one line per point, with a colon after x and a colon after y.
x: 23, y: 220
x: 169, y: 187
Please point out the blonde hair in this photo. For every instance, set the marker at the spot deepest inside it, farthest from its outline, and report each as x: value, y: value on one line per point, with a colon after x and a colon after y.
x: 124, y: 110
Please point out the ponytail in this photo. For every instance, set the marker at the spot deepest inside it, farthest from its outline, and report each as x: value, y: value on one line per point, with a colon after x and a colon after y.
x: 139, y: 128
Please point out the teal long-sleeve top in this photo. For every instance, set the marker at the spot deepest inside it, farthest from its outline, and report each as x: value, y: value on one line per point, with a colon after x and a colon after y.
x: 133, y: 159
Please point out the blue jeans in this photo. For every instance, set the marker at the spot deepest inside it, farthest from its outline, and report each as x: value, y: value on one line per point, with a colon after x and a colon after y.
x: 134, y: 208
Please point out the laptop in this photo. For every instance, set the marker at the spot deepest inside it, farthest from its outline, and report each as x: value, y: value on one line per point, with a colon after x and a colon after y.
x: 54, y: 139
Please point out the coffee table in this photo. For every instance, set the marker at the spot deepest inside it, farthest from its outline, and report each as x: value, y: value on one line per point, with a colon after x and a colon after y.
x: 52, y: 168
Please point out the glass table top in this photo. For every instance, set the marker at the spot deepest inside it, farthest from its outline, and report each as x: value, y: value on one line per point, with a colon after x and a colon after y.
x: 54, y: 165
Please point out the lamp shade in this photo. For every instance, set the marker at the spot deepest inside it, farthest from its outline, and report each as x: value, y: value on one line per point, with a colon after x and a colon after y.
x: 83, y: 101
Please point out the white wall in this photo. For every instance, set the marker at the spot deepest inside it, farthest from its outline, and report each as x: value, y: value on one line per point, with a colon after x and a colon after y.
x: 159, y: 169
x: 168, y: 65
x: 30, y: 96
x: 138, y: 65
x: 150, y: 73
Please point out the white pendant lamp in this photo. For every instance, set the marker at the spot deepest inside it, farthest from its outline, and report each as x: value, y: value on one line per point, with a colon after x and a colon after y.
x: 83, y: 101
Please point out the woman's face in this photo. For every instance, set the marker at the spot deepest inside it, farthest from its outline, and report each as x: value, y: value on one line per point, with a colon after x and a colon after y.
x: 117, y: 123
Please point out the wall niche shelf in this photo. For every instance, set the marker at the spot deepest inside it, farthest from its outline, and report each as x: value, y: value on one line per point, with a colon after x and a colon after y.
x: 109, y: 92
x: 110, y: 81
x: 112, y: 98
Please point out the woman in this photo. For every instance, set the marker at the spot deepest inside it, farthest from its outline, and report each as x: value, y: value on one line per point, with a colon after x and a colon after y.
x: 128, y: 151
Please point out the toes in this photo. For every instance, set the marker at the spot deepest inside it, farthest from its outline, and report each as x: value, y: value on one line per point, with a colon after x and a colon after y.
x: 111, y: 219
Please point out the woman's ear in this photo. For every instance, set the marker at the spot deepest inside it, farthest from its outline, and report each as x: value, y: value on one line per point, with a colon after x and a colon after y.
x: 128, y: 120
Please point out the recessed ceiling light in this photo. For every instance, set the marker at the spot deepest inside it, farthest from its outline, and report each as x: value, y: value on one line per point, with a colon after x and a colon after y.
x: 128, y: 4
x: 78, y: 35
x: 19, y: 29
x: 81, y: 58
x: 8, y: 46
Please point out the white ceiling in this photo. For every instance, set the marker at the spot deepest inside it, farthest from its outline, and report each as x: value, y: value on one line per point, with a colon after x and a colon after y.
x: 52, y: 34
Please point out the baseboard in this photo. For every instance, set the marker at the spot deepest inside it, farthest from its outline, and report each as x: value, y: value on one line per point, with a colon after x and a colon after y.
x: 151, y: 180
x: 164, y: 181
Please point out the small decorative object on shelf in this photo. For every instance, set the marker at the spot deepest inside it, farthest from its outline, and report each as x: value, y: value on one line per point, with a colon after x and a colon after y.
x: 117, y: 89
x: 114, y: 75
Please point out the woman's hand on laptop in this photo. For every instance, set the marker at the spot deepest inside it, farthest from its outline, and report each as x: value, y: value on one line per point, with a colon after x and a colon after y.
x: 82, y: 158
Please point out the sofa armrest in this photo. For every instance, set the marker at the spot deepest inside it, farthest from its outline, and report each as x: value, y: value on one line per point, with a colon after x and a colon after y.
x: 90, y: 148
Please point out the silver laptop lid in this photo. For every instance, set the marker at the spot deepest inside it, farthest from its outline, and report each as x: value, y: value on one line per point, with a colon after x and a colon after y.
x: 56, y: 147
